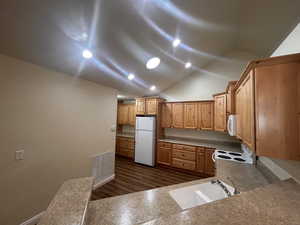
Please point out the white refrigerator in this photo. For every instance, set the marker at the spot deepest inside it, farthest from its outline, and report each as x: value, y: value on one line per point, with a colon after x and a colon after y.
x: 145, y: 140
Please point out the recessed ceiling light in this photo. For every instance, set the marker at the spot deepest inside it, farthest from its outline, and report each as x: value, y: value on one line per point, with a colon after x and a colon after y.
x: 152, y: 88
x: 153, y: 63
x: 176, y: 42
x: 131, y: 76
x: 87, y: 54
x: 188, y: 65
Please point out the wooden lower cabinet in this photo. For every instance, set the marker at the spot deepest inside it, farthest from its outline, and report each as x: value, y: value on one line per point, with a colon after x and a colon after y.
x: 125, y: 147
x: 187, y: 157
x: 209, y: 163
x: 200, y: 160
x: 184, y: 164
x: 164, y: 156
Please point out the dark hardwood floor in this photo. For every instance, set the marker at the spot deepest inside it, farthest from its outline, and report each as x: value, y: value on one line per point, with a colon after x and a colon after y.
x: 132, y: 177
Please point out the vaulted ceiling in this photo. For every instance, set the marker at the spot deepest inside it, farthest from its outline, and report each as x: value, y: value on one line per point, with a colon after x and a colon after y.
x: 124, y: 34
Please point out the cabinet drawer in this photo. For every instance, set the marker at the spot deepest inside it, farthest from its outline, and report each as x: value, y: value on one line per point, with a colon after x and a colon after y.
x: 184, y: 147
x: 184, y: 164
x: 177, y: 146
x: 123, y: 143
x: 189, y: 148
x: 187, y: 155
x: 164, y: 145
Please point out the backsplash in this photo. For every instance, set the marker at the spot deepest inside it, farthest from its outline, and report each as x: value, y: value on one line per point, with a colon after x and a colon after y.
x: 199, y: 134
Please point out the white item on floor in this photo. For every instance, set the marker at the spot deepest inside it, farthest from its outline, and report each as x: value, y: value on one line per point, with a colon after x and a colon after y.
x: 199, y: 194
x: 145, y: 140
x: 231, y: 125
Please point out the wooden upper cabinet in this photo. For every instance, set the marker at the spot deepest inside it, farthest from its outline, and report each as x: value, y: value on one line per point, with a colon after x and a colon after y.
x: 166, y: 115
x: 244, y: 98
x: 151, y: 106
x: 190, y: 115
x: 206, y: 115
x: 220, y: 112
x: 122, y: 114
x: 140, y: 106
x: 177, y: 115
x: 230, y: 103
x: 248, y: 112
x: 131, y: 114
x: 277, y: 99
x: 238, y: 112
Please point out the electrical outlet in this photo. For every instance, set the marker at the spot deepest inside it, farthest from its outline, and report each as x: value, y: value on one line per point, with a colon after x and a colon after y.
x: 20, y: 154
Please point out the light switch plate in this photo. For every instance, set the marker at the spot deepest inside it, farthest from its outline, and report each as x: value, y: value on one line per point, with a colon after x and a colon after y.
x: 20, y: 154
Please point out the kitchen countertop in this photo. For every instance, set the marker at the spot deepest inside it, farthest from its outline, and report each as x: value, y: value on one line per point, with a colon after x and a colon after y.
x: 69, y: 204
x: 220, y: 145
x: 276, y: 204
x: 149, y: 205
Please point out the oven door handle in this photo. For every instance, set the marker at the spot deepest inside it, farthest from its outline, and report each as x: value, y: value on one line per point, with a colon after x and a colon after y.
x: 213, y: 157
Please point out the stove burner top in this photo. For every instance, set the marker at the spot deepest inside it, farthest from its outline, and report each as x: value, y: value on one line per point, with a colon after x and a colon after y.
x: 239, y: 159
x: 222, y: 152
x: 224, y: 156
x: 235, y: 154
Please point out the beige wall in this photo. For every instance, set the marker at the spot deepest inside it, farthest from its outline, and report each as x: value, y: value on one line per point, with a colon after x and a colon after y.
x: 202, y: 84
x: 59, y: 121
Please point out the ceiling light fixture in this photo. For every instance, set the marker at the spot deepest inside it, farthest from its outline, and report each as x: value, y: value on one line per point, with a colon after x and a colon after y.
x: 176, y: 42
x: 188, y: 65
x: 153, y: 63
x: 131, y: 76
x: 87, y: 54
x: 152, y: 88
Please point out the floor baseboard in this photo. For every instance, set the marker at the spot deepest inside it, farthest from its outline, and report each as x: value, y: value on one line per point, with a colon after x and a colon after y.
x: 104, y: 181
x: 33, y: 220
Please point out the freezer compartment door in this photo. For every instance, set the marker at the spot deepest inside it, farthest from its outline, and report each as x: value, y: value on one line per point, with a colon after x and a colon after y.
x: 145, y: 123
x: 144, y: 147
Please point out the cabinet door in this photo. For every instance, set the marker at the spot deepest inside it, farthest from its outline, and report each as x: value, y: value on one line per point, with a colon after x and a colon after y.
x: 190, y: 115
x: 164, y: 156
x: 200, y: 160
x: 151, y: 106
x: 123, y: 114
x: 220, y: 113
x: 166, y: 115
x: 206, y: 115
x: 209, y: 163
x: 248, y: 112
x: 276, y: 100
x: 239, y: 101
x: 177, y: 113
x: 140, y: 106
x: 131, y: 115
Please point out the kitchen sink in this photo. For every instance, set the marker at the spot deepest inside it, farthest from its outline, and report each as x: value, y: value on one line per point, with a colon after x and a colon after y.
x: 199, y: 194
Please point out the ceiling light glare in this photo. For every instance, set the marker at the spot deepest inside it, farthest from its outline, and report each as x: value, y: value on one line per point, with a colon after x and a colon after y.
x: 152, y: 88
x: 176, y: 42
x: 188, y: 65
x: 131, y: 76
x: 153, y: 63
x: 87, y: 54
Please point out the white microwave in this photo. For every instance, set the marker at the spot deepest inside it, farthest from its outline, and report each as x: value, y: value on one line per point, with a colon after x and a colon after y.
x: 231, y: 125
